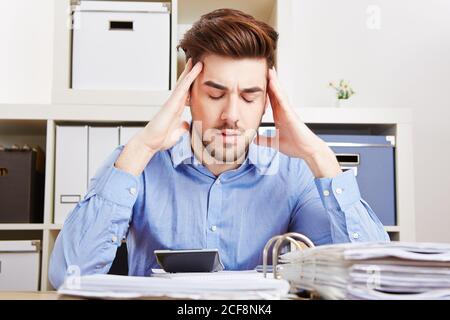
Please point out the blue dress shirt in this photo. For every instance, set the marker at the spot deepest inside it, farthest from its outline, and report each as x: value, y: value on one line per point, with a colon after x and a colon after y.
x: 177, y: 203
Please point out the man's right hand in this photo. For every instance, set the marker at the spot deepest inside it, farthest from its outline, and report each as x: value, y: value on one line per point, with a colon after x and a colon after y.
x: 164, y: 130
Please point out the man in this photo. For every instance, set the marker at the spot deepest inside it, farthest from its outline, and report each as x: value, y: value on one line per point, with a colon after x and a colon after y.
x: 214, y: 183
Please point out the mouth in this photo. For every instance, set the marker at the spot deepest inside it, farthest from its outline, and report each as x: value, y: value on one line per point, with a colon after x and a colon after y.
x: 229, y: 136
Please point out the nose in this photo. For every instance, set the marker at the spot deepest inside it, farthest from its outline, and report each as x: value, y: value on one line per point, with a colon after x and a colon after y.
x: 231, y: 112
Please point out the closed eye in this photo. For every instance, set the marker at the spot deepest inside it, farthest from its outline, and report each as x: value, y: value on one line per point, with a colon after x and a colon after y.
x: 220, y: 97
x: 216, y: 98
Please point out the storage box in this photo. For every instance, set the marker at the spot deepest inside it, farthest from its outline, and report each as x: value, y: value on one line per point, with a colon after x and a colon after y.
x: 372, y: 160
x: 121, y: 45
x: 19, y: 265
x: 21, y: 186
x: 71, y: 168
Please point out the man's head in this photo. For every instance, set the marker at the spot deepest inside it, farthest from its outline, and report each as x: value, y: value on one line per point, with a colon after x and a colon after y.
x: 229, y: 96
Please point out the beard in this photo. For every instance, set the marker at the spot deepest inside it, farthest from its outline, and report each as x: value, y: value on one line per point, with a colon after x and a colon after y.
x: 229, y: 150
x: 211, y: 147
x: 227, y: 153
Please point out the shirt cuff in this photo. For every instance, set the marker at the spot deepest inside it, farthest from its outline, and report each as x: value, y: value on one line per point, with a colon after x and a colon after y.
x: 339, y: 192
x: 118, y: 186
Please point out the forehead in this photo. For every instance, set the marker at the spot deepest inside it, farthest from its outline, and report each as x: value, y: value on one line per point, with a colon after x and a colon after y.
x: 230, y: 72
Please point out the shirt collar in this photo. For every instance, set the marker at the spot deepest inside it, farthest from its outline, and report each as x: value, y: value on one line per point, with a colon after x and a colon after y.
x: 182, y: 152
x: 259, y: 156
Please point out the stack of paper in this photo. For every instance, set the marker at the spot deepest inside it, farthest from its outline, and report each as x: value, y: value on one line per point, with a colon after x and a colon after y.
x: 227, y: 285
x: 393, y: 270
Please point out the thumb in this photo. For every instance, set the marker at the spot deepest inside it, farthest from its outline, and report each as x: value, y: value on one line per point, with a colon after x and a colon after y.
x: 179, y: 131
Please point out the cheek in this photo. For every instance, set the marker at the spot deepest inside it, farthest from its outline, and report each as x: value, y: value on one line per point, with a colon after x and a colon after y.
x: 205, y: 110
x: 251, y: 114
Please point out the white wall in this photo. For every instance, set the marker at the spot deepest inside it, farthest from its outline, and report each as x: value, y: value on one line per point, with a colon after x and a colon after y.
x: 405, y: 63
x: 26, y: 54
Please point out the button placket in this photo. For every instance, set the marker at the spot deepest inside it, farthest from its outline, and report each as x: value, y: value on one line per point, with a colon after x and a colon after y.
x: 214, y: 209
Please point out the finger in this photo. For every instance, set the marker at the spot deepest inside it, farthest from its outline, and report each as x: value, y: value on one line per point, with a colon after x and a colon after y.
x: 177, y: 100
x: 271, y: 98
x: 271, y: 93
x: 180, y: 92
x: 191, y: 75
x: 274, y: 102
x: 186, y: 70
x: 277, y: 94
x: 178, y: 132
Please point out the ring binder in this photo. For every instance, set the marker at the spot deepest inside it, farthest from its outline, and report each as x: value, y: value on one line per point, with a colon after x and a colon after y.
x: 297, y: 239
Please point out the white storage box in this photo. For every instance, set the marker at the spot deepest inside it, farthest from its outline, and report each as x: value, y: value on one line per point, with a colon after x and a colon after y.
x: 121, y: 45
x: 19, y: 265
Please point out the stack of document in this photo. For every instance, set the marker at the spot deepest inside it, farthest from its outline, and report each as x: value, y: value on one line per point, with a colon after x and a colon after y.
x: 218, y: 285
x: 393, y: 270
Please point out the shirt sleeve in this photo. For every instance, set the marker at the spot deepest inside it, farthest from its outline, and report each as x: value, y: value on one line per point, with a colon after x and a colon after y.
x: 93, y: 231
x: 331, y: 210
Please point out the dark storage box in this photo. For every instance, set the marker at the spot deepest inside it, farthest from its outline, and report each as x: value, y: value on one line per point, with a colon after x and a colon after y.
x: 21, y: 186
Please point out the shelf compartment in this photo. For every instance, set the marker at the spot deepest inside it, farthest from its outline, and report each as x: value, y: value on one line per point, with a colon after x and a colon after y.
x: 25, y: 198
x: 62, y: 91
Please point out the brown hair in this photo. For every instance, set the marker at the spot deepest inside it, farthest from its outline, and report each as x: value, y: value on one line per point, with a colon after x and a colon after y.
x: 230, y: 33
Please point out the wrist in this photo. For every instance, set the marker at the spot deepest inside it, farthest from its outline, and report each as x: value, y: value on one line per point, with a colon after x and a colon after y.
x: 134, y: 157
x: 323, y: 163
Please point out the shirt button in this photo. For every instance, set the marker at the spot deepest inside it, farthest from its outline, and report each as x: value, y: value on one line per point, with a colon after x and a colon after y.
x: 338, y: 190
x: 114, y: 239
x: 218, y: 181
x: 132, y: 191
x: 213, y: 228
x: 355, y: 235
x: 326, y: 193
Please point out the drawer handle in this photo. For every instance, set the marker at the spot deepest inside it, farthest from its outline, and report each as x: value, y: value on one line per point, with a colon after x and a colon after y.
x: 348, y: 158
x: 3, y: 172
x: 121, y: 25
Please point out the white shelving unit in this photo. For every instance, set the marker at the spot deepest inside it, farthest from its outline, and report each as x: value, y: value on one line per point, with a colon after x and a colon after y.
x: 20, y: 123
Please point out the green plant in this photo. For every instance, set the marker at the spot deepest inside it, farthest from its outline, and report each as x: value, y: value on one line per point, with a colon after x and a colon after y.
x: 343, y: 91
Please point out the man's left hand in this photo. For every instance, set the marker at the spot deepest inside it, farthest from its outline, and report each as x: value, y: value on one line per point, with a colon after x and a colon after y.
x: 293, y: 137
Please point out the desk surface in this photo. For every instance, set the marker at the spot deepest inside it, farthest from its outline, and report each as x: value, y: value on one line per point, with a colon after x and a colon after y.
x: 32, y: 295
x: 53, y: 295
x: 48, y: 295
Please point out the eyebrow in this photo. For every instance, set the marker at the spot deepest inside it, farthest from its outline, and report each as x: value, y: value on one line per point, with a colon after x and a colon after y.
x: 221, y: 87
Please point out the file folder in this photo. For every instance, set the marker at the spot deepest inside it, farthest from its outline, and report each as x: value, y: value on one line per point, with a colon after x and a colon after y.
x: 102, y: 142
x: 71, y: 169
